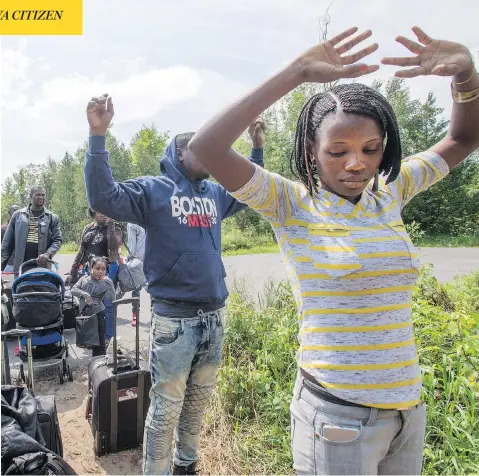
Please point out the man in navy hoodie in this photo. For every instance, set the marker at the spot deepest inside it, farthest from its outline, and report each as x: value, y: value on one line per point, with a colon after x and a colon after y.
x: 181, y: 212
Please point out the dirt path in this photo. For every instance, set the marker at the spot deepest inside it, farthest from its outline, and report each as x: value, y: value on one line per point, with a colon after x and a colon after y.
x: 216, y: 448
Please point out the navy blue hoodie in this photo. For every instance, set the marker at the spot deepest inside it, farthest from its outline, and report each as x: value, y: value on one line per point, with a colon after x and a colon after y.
x: 182, y: 219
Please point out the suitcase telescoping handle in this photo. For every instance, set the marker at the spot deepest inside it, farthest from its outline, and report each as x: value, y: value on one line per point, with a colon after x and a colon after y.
x: 34, y: 261
x: 117, y: 303
x: 19, y: 333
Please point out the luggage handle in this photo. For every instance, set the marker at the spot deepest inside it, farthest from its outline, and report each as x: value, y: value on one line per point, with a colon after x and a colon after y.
x: 31, y: 261
x: 6, y: 360
x: 115, y: 304
x: 128, y: 374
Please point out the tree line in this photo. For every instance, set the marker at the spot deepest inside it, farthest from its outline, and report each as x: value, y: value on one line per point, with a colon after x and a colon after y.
x: 450, y: 208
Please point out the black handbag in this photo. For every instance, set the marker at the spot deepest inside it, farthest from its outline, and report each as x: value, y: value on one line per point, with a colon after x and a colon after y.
x: 87, y: 332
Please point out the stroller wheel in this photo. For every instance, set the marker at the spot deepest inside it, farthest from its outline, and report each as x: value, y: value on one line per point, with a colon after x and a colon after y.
x: 60, y: 376
x: 65, y: 367
x: 70, y: 374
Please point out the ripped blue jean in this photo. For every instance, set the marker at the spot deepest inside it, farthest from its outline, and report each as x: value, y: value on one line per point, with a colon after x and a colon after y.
x: 184, y: 357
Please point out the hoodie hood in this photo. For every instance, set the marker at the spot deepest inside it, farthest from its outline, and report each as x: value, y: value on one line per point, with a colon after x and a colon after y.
x: 170, y: 164
x: 172, y: 167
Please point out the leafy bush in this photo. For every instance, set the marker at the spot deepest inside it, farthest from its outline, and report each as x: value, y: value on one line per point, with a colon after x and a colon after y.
x: 446, y: 319
x: 259, y: 368
x: 256, y: 380
x: 414, y: 231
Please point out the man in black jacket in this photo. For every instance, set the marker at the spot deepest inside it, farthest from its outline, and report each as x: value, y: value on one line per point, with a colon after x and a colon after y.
x: 32, y: 233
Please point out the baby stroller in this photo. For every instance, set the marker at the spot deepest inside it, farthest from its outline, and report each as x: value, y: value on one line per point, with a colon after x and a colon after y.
x: 37, y: 306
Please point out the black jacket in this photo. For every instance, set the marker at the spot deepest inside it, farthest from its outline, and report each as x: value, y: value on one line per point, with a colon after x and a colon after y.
x: 23, y: 450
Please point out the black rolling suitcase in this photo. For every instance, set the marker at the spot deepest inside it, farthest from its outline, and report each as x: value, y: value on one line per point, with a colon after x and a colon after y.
x: 46, y: 408
x: 118, y: 395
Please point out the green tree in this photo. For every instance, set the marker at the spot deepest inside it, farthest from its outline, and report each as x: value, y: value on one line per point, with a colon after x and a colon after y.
x: 147, y: 148
x: 49, y: 177
x: 8, y: 197
x: 64, y: 201
x: 26, y: 178
x: 451, y: 207
x: 120, y: 158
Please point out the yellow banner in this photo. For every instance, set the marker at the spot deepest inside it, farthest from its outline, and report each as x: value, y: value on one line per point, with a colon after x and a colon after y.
x: 41, y: 17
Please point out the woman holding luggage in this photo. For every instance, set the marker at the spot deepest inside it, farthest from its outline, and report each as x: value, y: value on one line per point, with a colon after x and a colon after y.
x: 356, y: 407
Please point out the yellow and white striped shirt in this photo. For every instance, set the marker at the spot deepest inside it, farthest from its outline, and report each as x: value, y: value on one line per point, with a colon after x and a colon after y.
x: 352, y: 269
x: 32, y: 236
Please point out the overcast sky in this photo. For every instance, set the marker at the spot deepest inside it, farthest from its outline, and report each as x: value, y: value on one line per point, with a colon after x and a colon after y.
x: 175, y: 62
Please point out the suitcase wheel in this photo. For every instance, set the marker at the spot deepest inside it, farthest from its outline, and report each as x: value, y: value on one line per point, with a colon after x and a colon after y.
x: 88, y: 408
x: 100, y: 443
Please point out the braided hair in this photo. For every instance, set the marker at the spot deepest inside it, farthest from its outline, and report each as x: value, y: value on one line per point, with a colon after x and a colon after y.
x: 352, y: 98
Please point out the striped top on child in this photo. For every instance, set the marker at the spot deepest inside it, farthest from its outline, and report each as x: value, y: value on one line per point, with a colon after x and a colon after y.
x: 352, y: 269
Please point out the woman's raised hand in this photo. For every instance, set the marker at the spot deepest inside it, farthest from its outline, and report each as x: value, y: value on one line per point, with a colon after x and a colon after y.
x: 432, y: 57
x: 329, y: 62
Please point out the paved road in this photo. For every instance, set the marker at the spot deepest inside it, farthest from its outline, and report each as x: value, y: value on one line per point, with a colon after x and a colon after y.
x: 256, y: 271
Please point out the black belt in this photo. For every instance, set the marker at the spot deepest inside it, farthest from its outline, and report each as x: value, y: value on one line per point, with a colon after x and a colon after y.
x: 319, y: 391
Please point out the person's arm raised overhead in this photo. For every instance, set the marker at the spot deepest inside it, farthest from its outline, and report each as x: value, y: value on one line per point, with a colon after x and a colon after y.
x: 126, y: 201
x: 322, y: 63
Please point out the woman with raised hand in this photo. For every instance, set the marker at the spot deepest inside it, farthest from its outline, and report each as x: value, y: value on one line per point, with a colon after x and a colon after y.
x: 356, y: 407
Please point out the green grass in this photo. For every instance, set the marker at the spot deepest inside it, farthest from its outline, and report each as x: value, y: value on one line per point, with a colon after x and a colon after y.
x: 444, y: 241
x: 236, y: 243
x: 256, y: 379
x: 255, y: 250
x: 68, y: 249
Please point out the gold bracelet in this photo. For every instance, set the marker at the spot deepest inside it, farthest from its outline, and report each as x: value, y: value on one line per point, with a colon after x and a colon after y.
x: 468, y: 79
x: 464, y: 96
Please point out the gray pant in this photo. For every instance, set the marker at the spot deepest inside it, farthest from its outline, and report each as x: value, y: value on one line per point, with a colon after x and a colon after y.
x: 388, y: 442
